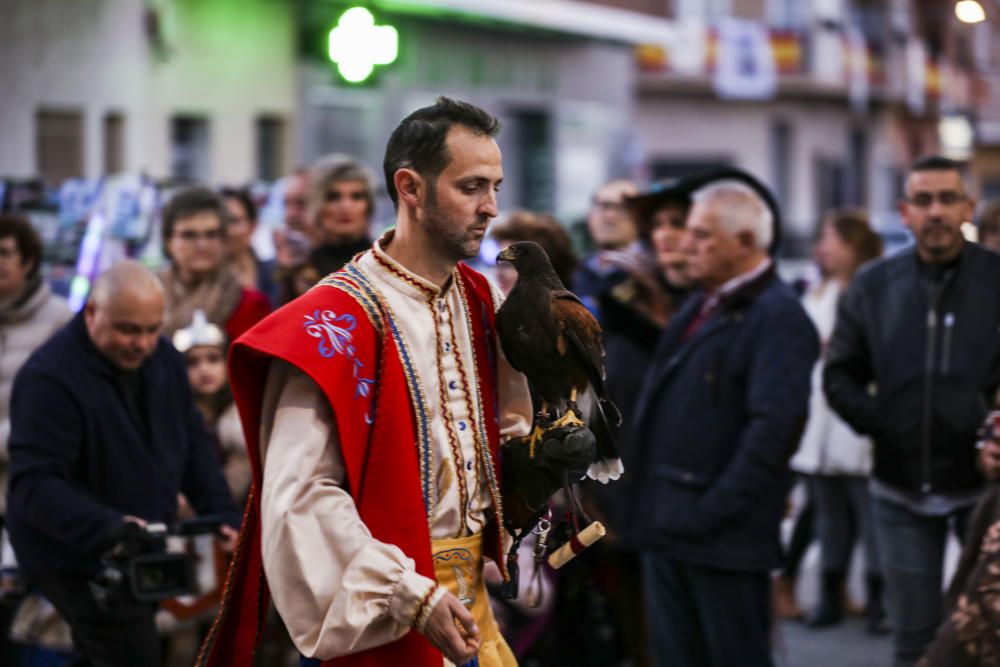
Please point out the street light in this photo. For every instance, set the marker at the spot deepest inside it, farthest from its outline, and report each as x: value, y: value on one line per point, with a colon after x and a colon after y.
x: 969, y: 11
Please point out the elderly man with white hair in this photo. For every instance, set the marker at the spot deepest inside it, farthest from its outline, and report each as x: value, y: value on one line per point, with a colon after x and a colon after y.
x: 719, y: 416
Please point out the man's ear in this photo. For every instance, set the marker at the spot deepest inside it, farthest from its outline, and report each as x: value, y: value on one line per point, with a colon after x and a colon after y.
x: 747, y: 240
x: 409, y: 186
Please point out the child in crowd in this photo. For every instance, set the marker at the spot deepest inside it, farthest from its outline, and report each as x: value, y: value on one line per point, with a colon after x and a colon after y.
x: 204, y: 347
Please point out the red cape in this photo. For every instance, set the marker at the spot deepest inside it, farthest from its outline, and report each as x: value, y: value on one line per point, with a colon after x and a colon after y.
x: 345, y: 340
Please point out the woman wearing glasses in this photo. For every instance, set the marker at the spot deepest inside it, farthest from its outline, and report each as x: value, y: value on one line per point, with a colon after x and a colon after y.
x: 199, y: 276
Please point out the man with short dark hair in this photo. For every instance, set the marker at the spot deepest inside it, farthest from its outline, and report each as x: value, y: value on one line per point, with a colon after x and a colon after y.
x: 104, y: 432
x: 375, y: 407
x: 914, y: 362
x: 719, y: 416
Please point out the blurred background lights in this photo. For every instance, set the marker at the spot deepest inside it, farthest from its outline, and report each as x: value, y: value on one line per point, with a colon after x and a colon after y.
x: 356, y: 45
x: 969, y: 11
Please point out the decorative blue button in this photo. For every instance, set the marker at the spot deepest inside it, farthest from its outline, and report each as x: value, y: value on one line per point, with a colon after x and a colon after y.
x: 461, y: 426
x: 447, y: 347
x: 452, y: 385
x: 468, y: 466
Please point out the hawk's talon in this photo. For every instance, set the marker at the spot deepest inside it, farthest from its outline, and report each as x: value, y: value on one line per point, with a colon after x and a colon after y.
x: 568, y: 419
x: 536, y: 436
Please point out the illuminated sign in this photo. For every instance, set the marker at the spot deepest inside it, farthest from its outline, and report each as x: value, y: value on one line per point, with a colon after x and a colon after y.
x: 357, y: 45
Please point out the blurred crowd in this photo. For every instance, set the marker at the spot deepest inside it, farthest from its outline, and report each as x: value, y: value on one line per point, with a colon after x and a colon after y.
x: 869, y: 384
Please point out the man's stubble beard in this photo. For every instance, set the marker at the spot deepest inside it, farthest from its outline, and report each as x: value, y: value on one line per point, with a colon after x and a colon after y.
x: 951, y: 237
x: 452, y: 245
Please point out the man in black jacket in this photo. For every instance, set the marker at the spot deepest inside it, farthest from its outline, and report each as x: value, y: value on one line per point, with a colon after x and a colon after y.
x: 104, y: 432
x: 914, y: 362
x: 719, y: 416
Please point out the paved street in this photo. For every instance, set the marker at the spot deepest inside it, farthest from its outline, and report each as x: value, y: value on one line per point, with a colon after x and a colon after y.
x: 847, y: 645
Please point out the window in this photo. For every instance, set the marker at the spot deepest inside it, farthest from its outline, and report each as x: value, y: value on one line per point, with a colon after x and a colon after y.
x: 781, y: 160
x: 829, y: 185
x: 857, y: 173
x: 59, y: 145
x: 532, y: 135
x: 270, y: 148
x: 189, y: 140
x: 114, y: 143
x: 341, y: 129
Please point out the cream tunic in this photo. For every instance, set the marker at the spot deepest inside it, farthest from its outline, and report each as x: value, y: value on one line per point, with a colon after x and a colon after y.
x: 337, y: 588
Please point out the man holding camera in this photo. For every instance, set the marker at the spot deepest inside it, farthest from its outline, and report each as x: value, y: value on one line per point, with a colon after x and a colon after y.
x: 104, y: 436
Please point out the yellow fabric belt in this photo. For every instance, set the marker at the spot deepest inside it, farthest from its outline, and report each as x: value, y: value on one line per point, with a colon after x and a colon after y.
x: 458, y: 566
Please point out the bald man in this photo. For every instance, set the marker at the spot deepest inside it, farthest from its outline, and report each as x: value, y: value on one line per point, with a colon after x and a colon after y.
x: 104, y: 432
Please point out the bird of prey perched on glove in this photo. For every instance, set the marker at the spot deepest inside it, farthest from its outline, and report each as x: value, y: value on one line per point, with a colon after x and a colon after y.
x: 550, y: 337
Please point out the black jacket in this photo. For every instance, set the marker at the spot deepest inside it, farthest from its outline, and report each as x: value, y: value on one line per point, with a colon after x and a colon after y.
x: 719, y: 417
x: 80, y: 459
x: 930, y: 351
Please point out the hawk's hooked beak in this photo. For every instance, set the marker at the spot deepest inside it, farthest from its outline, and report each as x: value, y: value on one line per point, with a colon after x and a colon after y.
x: 506, y: 255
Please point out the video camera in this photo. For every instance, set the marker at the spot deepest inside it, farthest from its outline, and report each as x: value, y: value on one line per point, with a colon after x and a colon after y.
x: 139, y: 566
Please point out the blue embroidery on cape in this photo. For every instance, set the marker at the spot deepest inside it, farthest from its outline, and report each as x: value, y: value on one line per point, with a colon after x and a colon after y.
x: 335, y: 337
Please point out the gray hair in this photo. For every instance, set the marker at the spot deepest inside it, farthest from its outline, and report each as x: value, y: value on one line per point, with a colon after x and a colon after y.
x: 739, y: 208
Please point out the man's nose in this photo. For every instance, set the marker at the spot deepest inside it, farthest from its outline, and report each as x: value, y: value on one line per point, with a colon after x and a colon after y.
x: 489, y: 205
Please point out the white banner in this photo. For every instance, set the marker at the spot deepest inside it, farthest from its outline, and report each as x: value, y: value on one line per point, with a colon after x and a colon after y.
x: 745, y: 67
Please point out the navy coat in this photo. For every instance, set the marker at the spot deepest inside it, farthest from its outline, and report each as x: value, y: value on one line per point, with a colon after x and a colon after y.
x: 80, y: 461
x: 719, y: 416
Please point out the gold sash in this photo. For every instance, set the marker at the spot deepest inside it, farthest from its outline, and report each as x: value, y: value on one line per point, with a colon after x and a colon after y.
x: 458, y: 566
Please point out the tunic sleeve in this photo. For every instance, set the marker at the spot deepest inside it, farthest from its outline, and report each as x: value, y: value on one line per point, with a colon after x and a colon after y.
x: 338, y: 589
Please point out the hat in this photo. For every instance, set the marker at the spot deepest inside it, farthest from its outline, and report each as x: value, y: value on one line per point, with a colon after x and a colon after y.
x: 680, y: 190
x: 199, y: 333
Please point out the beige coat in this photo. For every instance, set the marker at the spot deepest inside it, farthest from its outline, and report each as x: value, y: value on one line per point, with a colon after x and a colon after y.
x: 24, y: 325
x: 829, y: 446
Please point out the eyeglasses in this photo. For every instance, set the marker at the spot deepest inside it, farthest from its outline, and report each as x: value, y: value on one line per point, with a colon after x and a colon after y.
x: 946, y: 197
x: 190, y: 235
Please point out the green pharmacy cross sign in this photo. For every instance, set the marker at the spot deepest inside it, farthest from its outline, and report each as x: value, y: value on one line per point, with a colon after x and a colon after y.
x: 356, y: 45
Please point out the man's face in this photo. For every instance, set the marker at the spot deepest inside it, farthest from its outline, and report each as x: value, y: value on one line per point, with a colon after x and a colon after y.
x: 343, y: 217
x: 239, y: 227
x: 713, y: 255
x: 935, y: 207
x: 295, y: 203
x: 195, y: 245
x: 609, y: 223
x: 667, y: 239
x: 13, y: 269
x: 458, y: 207
x: 125, y: 328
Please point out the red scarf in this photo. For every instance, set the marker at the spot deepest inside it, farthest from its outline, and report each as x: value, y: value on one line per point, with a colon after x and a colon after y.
x: 340, y: 335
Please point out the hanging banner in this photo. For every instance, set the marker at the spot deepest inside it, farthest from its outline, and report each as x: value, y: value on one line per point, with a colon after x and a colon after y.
x: 745, y: 66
